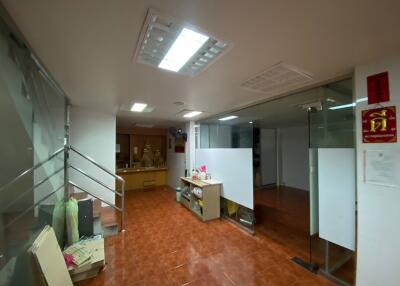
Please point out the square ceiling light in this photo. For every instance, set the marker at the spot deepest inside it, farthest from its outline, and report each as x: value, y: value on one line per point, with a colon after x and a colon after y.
x: 138, y: 107
x: 170, y: 44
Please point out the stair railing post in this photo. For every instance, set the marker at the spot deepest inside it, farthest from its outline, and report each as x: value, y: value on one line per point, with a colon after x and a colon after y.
x: 66, y: 149
x: 123, y: 207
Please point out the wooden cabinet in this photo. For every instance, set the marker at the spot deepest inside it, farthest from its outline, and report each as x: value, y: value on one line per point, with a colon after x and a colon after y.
x: 206, y: 206
x: 143, y: 178
x: 133, y: 141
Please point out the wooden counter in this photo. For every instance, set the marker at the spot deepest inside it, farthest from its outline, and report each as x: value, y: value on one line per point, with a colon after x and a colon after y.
x: 142, y: 178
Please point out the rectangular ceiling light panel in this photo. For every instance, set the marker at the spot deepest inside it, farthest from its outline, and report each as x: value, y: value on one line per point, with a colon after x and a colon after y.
x: 277, y: 78
x: 170, y: 44
x: 184, y: 47
x: 228, y: 118
x: 192, y: 114
x: 138, y: 107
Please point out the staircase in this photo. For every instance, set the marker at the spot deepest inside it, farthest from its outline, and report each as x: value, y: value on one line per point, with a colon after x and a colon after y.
x: 19, y: 228
x: 105, y: 220
x: 34, y: 180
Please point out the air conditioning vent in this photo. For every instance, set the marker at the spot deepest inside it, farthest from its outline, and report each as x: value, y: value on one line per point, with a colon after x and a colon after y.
x: 277, y: 78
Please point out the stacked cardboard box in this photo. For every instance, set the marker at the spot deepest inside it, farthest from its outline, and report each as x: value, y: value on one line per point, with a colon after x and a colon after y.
x: 48, y: 260
x: 89, y: 267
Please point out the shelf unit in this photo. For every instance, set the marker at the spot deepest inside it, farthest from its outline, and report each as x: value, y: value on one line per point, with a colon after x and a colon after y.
x: 211, y: 192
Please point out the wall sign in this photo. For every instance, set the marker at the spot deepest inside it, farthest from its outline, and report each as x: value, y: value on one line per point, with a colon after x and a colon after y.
x: 378, y: 88
x: 381, y: 167
x: 379, y: 125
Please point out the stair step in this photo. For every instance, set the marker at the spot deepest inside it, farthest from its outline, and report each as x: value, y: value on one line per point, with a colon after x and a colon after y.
x: 108, y: 217
x: 96, y: 203
x: 96, y: 208
x: 79, y: 195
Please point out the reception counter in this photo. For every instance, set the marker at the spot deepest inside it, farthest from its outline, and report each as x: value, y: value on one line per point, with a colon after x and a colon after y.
x: 142, y: 178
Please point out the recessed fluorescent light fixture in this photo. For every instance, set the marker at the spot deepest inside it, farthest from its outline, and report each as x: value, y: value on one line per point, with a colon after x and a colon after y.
x: 228, y: 118
x: 184, y: 47
x: 342, y: 106
x: 348, y: 105
x: 138, y: 107
x: 170, y: 44
x: 192, y: 114
x: 250, y: 122
x: 362, y: 99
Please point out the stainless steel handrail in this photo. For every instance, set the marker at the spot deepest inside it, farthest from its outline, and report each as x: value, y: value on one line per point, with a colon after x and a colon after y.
x: 95, y: 180
x: 32, y: 206
x: 104, y: 201
x: 57, y: 152
x: 31, y: 169
x: 96, y: 164
x: 33, y: 187
x: 122, y: 209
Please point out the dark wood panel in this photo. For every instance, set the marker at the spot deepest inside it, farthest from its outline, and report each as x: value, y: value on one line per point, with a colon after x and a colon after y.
x: 123, y: 155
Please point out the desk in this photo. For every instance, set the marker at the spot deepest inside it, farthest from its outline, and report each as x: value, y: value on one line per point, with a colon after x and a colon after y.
x: 142, y: 178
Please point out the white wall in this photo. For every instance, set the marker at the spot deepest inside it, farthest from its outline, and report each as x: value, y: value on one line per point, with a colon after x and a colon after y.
x: 294, y: 145
x: 268, y: 156
x: 190, y: 147
x: 378, y: 206
x: 94, y: 134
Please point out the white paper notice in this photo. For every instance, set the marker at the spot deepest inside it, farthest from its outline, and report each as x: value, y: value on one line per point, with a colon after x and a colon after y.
x: 380, y: 167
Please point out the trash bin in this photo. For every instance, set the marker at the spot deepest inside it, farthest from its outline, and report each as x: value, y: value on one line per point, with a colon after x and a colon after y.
x: 178, y: 194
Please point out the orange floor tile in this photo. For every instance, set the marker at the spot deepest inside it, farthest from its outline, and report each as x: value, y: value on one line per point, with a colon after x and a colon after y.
x: 165, y: 245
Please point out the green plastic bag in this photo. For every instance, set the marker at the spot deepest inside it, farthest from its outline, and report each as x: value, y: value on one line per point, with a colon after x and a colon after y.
x: 58, y: 222
x: 71, y: 212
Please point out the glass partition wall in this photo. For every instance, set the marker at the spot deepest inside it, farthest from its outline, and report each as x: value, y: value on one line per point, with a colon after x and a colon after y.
x: 283, y: 132
x: 331, y: 126
x: 214, y: 133
x: 32, y: 112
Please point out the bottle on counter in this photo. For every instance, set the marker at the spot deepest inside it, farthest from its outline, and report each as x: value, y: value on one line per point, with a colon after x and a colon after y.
x: 194, y: 174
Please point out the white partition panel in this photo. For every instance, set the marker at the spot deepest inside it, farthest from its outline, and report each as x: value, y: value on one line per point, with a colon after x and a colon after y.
x: 313, y: 168
x: 234, y: 167
x: 336, y: 180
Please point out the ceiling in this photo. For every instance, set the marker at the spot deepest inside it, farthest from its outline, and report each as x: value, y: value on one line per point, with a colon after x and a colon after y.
x: 88, y: 47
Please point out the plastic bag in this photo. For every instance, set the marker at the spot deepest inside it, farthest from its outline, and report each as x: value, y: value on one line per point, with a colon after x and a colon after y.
x: 58, y: 222
x: 71, y: 212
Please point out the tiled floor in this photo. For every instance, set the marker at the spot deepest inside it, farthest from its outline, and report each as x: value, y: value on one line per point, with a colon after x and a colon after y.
x: 283, y: 214
x: 166, y: 245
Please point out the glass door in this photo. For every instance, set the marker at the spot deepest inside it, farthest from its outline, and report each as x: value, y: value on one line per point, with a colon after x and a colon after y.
x: 331, y: 129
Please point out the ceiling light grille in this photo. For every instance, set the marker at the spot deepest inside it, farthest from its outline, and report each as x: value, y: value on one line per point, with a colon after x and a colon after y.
x: 278, y: 77
x: 158, y: 34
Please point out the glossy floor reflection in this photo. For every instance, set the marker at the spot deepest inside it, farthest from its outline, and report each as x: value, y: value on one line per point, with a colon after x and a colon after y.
x: 283, y: 214
x: 167, y: 245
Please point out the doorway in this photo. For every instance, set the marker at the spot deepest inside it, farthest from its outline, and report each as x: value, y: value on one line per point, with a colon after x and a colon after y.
x: 332, y: 184
x: 287, y: 136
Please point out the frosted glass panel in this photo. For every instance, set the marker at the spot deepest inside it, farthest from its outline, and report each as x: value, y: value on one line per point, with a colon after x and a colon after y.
x: 234, y: 167
x: 313, y: 161
x: 336, y: 179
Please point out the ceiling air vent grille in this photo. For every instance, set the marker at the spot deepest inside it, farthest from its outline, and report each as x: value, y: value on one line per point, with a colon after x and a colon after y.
x: 276, y: 78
